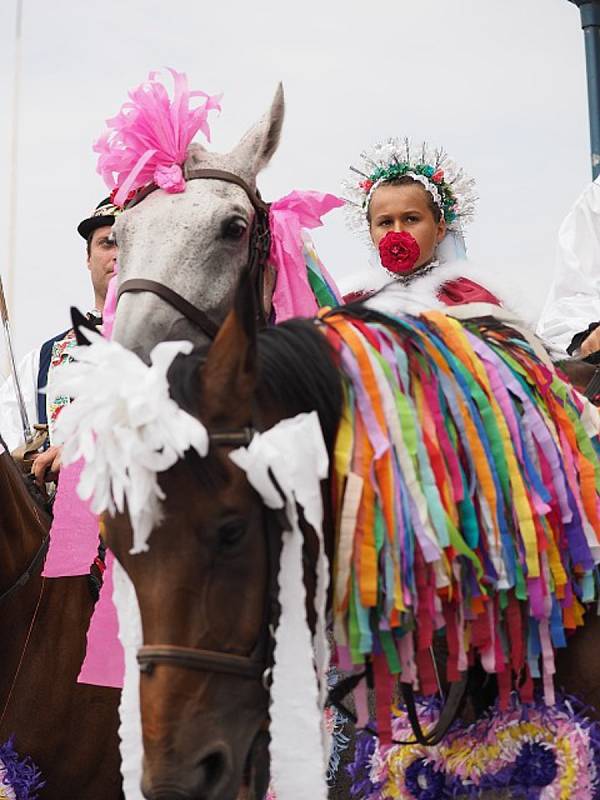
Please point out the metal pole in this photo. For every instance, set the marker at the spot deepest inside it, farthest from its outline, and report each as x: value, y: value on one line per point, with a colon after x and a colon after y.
x: 590, y: 22
x: 14, y: 153
x: 26, y: 427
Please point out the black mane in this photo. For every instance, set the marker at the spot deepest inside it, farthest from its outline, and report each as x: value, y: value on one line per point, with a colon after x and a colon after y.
x: 298, y: 372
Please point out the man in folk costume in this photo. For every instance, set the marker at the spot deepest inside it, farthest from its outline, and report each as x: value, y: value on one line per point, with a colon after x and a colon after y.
x: 36, y: 369
x: 410, y: 204
x: 570, y: 320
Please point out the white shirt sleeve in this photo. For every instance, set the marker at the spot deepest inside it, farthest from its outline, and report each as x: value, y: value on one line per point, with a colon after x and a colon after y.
x: 10, y: 418
x: 574, y: 298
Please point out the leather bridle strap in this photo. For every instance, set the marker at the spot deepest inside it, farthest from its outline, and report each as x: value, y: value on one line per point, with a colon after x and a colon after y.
x: 228, y: 177
x: 430, y: 738
x: 448, y: 714
x: 33, y: 565
x: 196, y: 315
x: 256, y: 665
x: 592, y: 390
x: 202, y: 660
x: 259, y: 249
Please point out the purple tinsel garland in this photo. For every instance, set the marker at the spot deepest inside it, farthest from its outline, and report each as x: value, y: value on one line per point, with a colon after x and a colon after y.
x: 21, y: 774
x: 534, y: 767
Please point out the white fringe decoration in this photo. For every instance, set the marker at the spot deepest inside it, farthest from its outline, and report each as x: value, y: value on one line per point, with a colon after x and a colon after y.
x: 126, y: 427
x: 286, y: 465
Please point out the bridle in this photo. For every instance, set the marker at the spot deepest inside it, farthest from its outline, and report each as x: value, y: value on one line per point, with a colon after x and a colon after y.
x: 260, y: 242
x: 257, y: 666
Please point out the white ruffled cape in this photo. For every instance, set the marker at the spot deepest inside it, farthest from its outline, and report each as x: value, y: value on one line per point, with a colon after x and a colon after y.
x: 574, y: 298
x: 421, y: 294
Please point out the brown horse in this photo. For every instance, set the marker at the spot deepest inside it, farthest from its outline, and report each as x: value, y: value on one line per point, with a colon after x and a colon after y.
x: 68, y: 729
x: 205, y: 587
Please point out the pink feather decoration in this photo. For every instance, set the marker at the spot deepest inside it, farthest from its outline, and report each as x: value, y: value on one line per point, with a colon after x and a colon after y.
x: 148, y: 139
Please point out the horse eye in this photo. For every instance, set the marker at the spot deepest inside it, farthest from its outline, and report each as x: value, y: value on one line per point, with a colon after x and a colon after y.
x: 231, y: 532
x: 234, y: 229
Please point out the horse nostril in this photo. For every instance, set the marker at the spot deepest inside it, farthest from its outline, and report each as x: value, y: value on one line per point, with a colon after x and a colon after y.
x: 214, y: 767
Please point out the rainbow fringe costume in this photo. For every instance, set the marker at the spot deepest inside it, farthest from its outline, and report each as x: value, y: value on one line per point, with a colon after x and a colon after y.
x: 466, y: 496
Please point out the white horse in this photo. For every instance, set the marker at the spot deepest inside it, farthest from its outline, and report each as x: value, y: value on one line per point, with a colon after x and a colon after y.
x: 195, y: 243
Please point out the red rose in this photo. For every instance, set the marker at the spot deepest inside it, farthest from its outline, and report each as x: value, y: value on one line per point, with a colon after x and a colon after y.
x: 438, y: 176
x: 399, y: 252
x: 367, y: 185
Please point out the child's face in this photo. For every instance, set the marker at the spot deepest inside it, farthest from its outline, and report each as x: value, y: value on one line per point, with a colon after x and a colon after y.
x: 406, y: 208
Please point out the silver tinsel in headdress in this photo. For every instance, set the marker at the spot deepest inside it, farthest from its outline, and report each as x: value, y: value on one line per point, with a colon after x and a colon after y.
x: 452, y: 190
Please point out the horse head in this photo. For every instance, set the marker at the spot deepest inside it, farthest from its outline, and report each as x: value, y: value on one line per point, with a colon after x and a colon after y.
x: 202, y: 585
x: 196, y: 242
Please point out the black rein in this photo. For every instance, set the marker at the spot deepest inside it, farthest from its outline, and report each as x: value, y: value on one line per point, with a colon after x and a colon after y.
x: 23, y: 578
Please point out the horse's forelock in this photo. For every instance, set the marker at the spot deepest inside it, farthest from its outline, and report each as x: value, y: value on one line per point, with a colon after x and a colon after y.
x: 184, y: 379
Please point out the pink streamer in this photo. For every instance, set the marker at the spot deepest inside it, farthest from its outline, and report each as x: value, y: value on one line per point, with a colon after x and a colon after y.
x: 147, y: 141
x: 73, y: 548
x: 104, y: 662
x: 74, y: 531
x: 293, y: 296
x: 110, y: 305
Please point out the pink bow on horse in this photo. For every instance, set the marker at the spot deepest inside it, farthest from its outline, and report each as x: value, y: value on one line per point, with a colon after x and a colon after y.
x: 293, y: 296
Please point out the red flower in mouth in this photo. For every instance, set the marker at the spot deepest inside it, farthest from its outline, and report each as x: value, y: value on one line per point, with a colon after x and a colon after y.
x: 399, y: 252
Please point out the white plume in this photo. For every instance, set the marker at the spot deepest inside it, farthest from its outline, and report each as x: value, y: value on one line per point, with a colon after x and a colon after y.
x: 126, y: 427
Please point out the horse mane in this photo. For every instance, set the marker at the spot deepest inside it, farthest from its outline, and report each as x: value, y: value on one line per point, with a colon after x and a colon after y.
x: 297, y: 372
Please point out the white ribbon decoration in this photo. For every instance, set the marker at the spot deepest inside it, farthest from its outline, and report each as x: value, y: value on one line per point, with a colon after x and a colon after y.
x: 126, y: 427
x: 294, y: 454
x: 130, y: 727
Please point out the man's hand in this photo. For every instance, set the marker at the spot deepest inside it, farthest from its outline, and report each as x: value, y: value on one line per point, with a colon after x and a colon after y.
x: 46, y: 465
x: 591, y: 344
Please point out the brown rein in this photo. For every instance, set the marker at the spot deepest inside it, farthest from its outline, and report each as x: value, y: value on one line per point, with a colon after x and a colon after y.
x: 260, y: 242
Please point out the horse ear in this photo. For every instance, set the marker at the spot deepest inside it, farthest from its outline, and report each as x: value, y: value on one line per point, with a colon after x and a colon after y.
x: 228, y: 378
x: 80, y: 325
x: 257, y: 147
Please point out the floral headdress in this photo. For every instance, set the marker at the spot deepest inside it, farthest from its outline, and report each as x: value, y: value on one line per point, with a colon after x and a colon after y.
x: 147, y: 141
x: 452, y: 191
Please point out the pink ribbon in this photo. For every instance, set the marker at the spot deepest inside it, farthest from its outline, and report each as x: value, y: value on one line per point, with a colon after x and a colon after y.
x: 104, y: 662
x: 74, y: 531
x: 293, y: 296
x: 73, y: 548
x: 110, y: 305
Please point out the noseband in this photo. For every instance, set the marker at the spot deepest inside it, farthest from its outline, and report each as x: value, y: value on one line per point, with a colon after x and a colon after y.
x: 260, y: 242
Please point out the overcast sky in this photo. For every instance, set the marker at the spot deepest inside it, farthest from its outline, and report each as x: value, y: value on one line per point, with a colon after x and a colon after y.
x: 499, y: 83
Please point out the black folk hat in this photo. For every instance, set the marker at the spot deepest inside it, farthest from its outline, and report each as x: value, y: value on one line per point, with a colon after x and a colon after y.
x: 104, y: 214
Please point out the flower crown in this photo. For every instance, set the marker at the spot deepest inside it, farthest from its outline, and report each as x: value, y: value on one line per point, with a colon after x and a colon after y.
x: 147, y: 141
x: 452, y: 191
